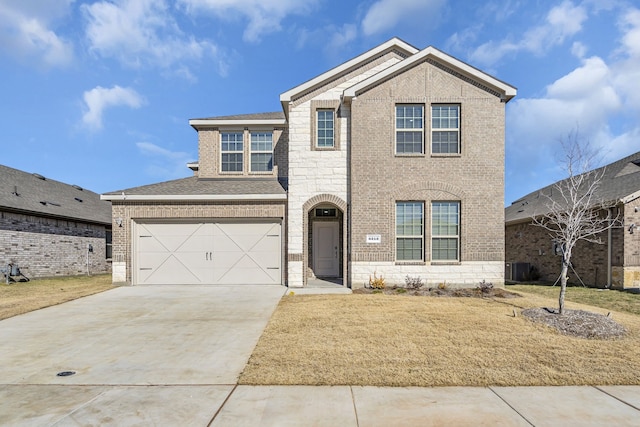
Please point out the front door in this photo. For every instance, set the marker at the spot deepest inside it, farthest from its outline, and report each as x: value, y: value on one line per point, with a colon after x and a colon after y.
x: 326, y: 245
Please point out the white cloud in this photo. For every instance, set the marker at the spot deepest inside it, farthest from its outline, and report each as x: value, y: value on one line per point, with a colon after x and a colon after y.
x: 164, y: 163
x: 562, y: 22
x: 26, y: 31
x: 141, y: 33
x: 264, y: 16
x: 99, y: 98
x: 599, y: 100
x: 385, y: 15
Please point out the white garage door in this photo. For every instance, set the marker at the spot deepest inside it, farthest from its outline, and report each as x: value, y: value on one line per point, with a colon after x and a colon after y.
x: 208, y: 253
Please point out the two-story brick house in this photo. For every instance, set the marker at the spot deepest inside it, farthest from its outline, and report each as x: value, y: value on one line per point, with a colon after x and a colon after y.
x: 391, y: 163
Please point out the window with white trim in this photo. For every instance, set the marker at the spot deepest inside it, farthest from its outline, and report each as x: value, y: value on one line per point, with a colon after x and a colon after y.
x: 409, y: 231
x: 445, y: 231
x: 324, y: 128
x: 231, y: 149
x: 409, y: 128
x: 445, y: 129
x: 261, y: 151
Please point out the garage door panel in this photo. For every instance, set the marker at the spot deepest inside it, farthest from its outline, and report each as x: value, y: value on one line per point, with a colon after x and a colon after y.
x: 209, y: 253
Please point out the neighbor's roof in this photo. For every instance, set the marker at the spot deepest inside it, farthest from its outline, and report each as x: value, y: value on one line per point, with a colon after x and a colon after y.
x: 194, y: 188
x: 620, y: 183
x: 34, y: 194
x: 272, y: 118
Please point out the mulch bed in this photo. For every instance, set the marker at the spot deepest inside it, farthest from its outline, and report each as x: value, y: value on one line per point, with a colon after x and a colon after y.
x: 577, y: 323
x: 438, y: 292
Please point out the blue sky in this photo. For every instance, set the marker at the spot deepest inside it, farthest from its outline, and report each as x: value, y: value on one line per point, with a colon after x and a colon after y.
x: 99, y: 93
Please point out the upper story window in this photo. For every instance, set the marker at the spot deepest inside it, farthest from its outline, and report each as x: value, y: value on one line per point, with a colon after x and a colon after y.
x: 445, y: 231
x: 409, y: 231
x: 325, y: 128
x: 409, y: 128
x: 231, y: 149
x: 261, y: 151
x: 445, y: 129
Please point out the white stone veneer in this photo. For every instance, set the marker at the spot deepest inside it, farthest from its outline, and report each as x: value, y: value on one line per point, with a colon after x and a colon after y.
x: 315, y: 172
x: 118, y: 272
x: 464, y: 275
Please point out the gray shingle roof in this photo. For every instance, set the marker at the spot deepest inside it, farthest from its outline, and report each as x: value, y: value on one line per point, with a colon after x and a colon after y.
x: 621, y: 179
x: 31, y: 193
x: 276, y: 115
x: 193, y: 186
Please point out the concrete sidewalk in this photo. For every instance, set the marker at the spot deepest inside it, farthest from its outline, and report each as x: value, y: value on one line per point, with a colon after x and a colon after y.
x: 229, y: 405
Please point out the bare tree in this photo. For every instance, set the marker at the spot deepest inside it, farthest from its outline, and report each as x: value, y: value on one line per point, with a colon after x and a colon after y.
x: 575, y: 210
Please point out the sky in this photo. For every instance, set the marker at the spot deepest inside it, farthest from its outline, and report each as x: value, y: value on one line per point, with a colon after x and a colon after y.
x: 100, y: 93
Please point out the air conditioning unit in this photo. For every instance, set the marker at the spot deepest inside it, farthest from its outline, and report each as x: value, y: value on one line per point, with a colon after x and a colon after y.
x: 517, y: 271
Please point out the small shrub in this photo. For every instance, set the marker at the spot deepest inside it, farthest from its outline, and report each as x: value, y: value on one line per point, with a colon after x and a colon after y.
x: 442, y: 286
x: 376, y: 282
x: 413, y: 282
x: 484, y: 287
x: 377, y: 291
x: 401, y: 290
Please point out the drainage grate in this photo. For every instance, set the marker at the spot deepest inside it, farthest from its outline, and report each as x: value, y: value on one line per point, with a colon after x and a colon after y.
x: 65, y: 373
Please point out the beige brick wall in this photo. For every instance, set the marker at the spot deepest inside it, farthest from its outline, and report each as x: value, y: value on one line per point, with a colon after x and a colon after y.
x: 209, y: 152
x: 129, y: 210
x: 379, y: 178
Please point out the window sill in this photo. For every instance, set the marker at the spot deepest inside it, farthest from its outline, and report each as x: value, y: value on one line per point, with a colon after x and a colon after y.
x: 445, y: 263
x: 411, y: 263
x: 410, y: 155
x: 446, y: 155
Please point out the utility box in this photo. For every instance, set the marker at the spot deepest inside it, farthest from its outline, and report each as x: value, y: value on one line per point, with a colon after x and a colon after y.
x: 517, y: 271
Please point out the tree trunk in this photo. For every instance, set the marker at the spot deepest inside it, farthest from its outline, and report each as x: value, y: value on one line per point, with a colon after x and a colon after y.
x: 563, y: 282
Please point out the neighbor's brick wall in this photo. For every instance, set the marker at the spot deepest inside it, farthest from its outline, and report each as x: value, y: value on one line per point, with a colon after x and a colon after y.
x: 531, y: 244
x: 130, y: 210
x: 45, y: 247
x: 475, y: 177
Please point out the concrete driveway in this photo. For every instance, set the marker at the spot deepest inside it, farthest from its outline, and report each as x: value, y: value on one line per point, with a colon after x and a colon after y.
x: 153, y: 355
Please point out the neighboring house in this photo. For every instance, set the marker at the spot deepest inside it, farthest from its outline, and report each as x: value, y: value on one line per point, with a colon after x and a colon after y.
x: 615, y: 263
x: 48, y: 228
x: 391, y: 163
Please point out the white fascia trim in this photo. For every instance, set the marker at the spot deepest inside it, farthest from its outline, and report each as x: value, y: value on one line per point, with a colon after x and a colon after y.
x: 243, y: 123
x: 631, y: 197
x: 288, y: 95
x: 508, y: 90
x: 217, y: 197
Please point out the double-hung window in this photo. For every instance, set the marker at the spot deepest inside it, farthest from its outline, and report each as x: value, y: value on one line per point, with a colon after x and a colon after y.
x: 409, y: 128
x: 324, y: 128
x: 409, y: 231
x: 231, y: 149
x: 445, y: 129
x: 261, y: 151
x: 445, y: 231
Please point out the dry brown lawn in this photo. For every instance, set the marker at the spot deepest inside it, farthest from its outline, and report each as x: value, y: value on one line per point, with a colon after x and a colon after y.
x: 393, y: 340
x: 22, y: 297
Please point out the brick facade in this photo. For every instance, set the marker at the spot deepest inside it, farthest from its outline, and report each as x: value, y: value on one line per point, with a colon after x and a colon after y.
x: 45, y: 247
x: 380, y: 178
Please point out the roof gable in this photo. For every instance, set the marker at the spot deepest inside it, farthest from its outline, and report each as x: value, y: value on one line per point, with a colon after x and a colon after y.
x: 394, y: 43
x: 504, y: 90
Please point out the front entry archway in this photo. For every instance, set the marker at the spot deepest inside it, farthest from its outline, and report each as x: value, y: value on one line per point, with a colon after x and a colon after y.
x: 325, y: 239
